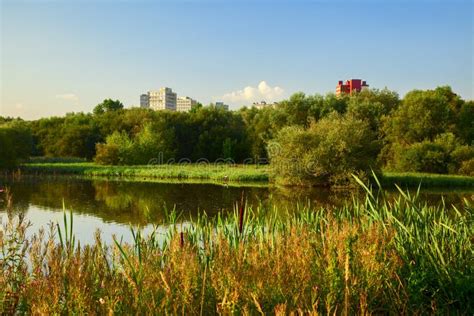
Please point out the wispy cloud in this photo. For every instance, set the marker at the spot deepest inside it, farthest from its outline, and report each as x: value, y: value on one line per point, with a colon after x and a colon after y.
x: 262, y: 91
x: 67, y: 96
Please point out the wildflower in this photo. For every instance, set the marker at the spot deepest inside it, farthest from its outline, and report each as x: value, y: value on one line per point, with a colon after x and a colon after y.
x: 101, y: 301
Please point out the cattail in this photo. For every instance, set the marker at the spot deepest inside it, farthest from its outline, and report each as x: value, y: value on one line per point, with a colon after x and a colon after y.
x: 181, y: 239
x: 241, y: 213
x: 9, y: 197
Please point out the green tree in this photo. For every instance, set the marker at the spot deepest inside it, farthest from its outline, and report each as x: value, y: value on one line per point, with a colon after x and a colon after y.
x: 15, y: 143
x: 327, y: 153
x: 465, y: 124
x: 421, y: 116
x: 445, y: 154
x: 117, y: 150
x: 152, y: 142
x: 108, y: 105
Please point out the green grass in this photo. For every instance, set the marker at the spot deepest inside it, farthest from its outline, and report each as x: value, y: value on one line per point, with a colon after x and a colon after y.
x: 236, y: 173
x: 378, y: 256
x: 427, y: 180
x: 221, y: 173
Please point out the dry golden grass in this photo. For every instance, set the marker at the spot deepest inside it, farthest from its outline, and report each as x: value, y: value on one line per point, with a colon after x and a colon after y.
x: 372, y: 258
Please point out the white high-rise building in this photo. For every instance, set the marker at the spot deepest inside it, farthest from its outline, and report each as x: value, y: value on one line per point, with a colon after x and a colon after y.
x: 163, y: 99
x: 185, y: 104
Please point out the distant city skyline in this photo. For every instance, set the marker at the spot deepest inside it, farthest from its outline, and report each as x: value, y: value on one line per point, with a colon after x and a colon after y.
x: 59, y: 57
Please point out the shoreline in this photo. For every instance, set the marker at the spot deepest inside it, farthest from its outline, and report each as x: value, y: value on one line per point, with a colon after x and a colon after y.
x: 242, y: 175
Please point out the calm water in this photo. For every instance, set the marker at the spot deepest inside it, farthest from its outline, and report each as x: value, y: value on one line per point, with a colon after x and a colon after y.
x: 112, y: 206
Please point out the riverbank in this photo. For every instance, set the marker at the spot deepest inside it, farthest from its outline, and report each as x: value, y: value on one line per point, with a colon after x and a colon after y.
x: 427, y: 180
x: 364, y: 258
x: 215, y: 172
x: 223, y: 174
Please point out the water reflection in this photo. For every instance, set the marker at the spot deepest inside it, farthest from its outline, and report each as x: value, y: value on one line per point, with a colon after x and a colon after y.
x: 140, y: 203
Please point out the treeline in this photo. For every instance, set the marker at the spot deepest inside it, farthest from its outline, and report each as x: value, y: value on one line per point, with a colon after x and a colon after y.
x: 308, y: 138
x: 15, y: 142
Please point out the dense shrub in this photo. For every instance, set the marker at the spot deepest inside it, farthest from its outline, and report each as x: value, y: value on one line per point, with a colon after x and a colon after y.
x: 15, y: 143
x: 467, y: 167
x: 74, y: 135
x: 153, y: 143
x: 465, y: 124
x: 116, y: 150
x: 327, y: 153
x: 424, y: 156
x: 150, y: 144
x: 445, y: 154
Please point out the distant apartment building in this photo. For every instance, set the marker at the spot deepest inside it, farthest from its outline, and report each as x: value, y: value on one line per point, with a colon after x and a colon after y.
x: 163, y: 99
x: 221, y: 105
x: 350, y: 86
x: 144, y: 100
x: 185, y: 104
x: 263, y: 104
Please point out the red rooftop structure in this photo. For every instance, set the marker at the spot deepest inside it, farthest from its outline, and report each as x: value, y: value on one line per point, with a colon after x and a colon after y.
x: 350, y: 86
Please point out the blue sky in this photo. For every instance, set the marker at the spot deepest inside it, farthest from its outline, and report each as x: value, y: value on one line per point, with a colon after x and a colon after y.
x: 59, y: 57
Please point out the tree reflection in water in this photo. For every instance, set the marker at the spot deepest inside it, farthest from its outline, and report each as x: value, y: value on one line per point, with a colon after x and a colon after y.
x: 140, y: 203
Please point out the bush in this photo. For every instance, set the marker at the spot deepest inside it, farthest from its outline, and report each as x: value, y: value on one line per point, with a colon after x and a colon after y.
x: 424, y: 157
x: 445, y: 154
x: 153, y: 143
x: 327, y: 153
x: 460, y: 156
x: 116, y: 150
x: 15, y: 144
x: 149, y: 143
x: 467, y: 167
x: 45, y: 159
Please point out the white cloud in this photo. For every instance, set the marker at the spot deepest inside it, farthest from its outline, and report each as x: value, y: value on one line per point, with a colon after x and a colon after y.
x: 67, y: 96
x: 253, y: 94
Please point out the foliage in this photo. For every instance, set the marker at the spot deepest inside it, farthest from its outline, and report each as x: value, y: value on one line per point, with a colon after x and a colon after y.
x: 431, y: 131
x: 150, y: 143
x: 74, y: 135
x: 407, y: 129
x: 423, y: 115
x: 40, y: 159
x: 108, y: 105
x: 326, y: 153
x: 467, y: 167
x: 465, y: 126
x: 15, y: 143
x: 445, y: 154
x: 117, y: 150
x: 379, y: 256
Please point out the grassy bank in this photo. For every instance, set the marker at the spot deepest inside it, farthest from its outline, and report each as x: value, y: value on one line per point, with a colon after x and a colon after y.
x: 223, y: 173
x: 427, y: 180
x: 378, y: 257
x: 239, y: 173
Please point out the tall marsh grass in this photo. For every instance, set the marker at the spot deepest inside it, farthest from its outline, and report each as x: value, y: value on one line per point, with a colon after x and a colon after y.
x: 378, y: 256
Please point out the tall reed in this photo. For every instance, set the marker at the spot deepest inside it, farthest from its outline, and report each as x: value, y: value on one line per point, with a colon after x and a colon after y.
x: 378, y: 256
